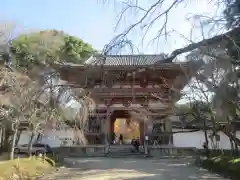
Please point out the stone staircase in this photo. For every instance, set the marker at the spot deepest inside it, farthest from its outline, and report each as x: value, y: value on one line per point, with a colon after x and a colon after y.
x: 124, y: 151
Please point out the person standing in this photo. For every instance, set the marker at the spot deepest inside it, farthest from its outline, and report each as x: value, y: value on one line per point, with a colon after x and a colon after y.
x: 113, y: 138
x: 133, y: 143
x: 120, y: 139
x: 137, y: 144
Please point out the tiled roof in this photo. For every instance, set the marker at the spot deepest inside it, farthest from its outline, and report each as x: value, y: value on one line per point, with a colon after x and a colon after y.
x: 125, y: 60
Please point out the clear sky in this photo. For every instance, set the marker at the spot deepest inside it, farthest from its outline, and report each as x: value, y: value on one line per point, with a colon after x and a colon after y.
x: 84, y: 18
x: 94, y: 22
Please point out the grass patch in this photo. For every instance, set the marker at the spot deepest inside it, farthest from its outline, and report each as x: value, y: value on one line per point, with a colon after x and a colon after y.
x: 27, y: 167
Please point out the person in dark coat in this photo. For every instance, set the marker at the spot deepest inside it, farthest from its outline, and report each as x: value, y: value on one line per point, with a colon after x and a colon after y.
x: 113, y: 138
x: 137, y: 144
x: 133, y: 143
x: 120, y: 139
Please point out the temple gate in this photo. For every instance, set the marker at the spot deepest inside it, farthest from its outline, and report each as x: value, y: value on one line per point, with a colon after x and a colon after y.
x: 120, y: 84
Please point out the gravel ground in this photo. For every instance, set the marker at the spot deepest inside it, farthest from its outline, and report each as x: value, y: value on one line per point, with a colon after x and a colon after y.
x: 135, y: 169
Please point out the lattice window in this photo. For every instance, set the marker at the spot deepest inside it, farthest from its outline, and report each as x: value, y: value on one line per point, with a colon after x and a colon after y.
x: 61, y: 126
x: 158, y: 127
x: 94, y: 125
x: 86, y: 127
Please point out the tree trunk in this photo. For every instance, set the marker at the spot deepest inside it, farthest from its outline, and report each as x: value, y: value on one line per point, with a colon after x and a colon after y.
x: 79, y: 137
x: 232, y: 146
x: 236, y: 146
x: 232, y: 137
x: 214, y: 129
x: 39, y: 137
x: 236, y: 150
x: 13, y: 144
x: 18, y: 136
x: 2, y: 138
x: 6, y: 141
x: 206, y: 138
x: 30, y: 144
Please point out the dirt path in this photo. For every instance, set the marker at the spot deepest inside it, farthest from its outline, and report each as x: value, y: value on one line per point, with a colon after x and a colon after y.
x: 135, y: 169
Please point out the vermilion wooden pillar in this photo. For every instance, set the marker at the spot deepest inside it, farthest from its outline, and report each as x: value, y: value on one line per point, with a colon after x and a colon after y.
x: 112, y: 120
x: 141, y: 132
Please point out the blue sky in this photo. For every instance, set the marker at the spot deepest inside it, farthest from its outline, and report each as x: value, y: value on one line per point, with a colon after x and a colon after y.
x: 87, y: 19
x: 92, y: 21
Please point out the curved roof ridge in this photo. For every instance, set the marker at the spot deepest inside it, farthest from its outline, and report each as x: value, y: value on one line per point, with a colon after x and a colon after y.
x: 123, y: 60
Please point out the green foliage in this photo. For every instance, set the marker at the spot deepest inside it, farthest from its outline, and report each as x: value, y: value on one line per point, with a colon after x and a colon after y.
x: 184, y: 111
x: 200, y: 109
x: 49, y: 47
x: 196, y: 110
x: 225, y: 165
x: 75, y: 50
x: 50, y: 161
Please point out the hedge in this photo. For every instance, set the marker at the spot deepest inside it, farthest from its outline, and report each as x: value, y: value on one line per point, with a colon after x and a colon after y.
x: 224, y: 165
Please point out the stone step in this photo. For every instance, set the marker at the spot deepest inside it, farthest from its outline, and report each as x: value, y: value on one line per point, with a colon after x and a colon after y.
x: 127, y: 152
x: 123, y: 149
x: 120, y: 150
x: 130, y: 154
x: 124, y: 152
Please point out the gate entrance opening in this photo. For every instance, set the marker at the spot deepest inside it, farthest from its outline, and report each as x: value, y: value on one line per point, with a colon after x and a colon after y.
x: 122, y: 123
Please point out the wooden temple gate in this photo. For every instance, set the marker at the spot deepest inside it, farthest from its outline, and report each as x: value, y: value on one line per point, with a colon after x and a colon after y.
x: 127, y: 82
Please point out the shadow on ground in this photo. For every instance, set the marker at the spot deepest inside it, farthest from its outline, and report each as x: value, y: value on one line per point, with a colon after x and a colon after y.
x: 134, y: 169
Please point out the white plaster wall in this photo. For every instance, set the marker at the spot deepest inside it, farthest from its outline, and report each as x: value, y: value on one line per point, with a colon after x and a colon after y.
x: 196, y: 139
x: 193, y: 139
x: 53, y: 138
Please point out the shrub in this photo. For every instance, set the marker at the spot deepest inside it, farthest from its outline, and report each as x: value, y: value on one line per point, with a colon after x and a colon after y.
x: 24, y: 167
x: 50, y: 161
x: 223, y: 165
x: 234, y: 167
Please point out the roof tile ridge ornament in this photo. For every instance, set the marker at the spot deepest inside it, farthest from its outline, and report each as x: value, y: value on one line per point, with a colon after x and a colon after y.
x: 102, y: 62
x: 104, y: 58
x: 167, y: 59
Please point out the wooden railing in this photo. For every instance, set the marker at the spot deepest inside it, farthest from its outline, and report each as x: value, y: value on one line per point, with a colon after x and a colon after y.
x: 128, y: 91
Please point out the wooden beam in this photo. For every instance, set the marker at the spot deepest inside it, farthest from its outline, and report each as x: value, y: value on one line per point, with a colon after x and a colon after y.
x: 139, y: 101
x: 172, y: 65
x: 75, y: 73
x: 127, y: 91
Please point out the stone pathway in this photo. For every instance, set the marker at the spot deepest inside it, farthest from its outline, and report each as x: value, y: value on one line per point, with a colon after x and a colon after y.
x: 134, y: 169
